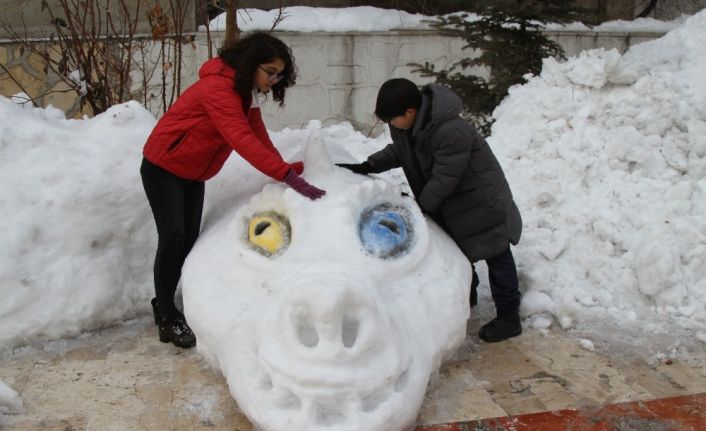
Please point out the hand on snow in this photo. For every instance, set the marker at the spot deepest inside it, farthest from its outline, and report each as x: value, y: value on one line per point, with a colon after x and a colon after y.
x: 299, y: 184
x: 364, y: 168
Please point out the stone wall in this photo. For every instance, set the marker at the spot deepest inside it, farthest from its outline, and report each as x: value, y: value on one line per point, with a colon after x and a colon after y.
x: 339, y: 73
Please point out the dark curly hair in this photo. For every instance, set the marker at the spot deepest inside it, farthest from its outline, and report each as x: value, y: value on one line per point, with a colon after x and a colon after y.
x: 248, y: 53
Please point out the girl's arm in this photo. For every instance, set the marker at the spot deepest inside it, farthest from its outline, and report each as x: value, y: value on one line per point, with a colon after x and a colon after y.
x: 225, y: 109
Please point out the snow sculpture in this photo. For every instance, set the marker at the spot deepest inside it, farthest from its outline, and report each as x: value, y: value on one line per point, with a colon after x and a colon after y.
x: 328, y: 314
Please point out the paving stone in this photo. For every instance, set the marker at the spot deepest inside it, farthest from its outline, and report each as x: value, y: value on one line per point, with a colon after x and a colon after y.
x: 125, y: 379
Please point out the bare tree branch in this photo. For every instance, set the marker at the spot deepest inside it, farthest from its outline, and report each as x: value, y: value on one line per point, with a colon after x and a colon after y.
x: 281, y: 15
x: 648, y: 9
x: 17, y: 82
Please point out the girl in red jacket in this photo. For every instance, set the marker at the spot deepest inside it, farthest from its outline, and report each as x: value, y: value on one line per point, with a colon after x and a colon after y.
x: 191, y: 142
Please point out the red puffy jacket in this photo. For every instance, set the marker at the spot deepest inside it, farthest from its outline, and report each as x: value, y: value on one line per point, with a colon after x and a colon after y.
x: 207, y: 122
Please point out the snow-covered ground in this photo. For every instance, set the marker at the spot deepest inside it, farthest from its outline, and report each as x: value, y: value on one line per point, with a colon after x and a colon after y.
x: 606, y: 155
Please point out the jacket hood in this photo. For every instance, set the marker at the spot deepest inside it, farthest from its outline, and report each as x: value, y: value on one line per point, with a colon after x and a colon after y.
x: 439, y: 104
x: 216, y: 66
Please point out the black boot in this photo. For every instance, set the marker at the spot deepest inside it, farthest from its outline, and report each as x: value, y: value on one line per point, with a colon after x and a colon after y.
x: 501, y: 328
x: 474, y: 289
x: 155, y: 312
x: 173, y: 329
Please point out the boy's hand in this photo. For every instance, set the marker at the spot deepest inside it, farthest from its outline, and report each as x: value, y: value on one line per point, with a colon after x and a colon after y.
x: 364, y: 168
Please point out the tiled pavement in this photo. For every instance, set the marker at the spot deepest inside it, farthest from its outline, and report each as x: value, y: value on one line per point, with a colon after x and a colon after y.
x: 683, y: 413
x: 124, y: 379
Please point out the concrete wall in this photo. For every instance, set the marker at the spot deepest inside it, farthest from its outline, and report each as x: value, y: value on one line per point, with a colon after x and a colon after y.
x: 339, y: 73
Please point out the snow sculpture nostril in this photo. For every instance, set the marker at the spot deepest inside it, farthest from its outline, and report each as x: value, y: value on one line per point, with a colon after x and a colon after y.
x: 349, y: 331
x: 306, y: 332
x: 287, y: 400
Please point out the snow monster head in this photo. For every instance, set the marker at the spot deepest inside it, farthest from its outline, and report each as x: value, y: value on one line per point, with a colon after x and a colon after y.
x: 328, y: 314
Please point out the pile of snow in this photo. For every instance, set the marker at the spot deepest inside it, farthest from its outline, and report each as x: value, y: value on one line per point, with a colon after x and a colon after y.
x: 606, y: 155
x: 76, y: 226
x: 649, y: 25
x: 370, y: 19
x: 10, y: 402
x: 312, y: 19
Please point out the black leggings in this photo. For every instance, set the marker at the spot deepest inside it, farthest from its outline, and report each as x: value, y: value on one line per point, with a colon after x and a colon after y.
x: 177, y: 205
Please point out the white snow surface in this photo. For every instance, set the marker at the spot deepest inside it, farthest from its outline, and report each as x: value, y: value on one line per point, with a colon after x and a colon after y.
x: 10, y: 402
x: 371, y: 19
x: 76, y: 229
x: 605, y: 155
x: 315, y: 19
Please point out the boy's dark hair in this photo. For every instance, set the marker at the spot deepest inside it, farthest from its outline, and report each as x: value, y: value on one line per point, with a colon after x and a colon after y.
x: 248, y: 53
x: 395, y: 97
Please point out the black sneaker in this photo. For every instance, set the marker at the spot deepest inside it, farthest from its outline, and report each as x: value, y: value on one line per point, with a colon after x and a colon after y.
x: 500, y: 329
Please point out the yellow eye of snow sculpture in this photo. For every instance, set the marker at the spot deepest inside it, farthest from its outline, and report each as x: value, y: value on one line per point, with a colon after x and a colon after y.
x: 268, y: 233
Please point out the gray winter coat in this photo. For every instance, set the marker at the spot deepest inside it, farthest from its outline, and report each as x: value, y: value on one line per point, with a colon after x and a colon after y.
x: 454, y: 176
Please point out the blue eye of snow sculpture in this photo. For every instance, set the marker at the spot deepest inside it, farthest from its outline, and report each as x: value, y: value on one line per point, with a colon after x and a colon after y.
x: 385, y: 231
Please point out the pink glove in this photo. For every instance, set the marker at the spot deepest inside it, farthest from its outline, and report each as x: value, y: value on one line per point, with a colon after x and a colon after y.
x: 299, y: 184
x: 298, y: 167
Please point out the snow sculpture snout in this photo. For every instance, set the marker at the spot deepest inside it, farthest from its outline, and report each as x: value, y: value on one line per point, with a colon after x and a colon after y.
x: 329, y: 321
x: 332, y: 326
x: 327, y: 315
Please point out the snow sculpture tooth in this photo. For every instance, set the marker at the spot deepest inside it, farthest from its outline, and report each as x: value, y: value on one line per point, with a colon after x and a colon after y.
x: 330, y: 412
x: 317, y: 158
x: 372, y: 401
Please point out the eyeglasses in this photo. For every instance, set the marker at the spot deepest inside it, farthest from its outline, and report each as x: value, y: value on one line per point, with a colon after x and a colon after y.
x: 273, y: 77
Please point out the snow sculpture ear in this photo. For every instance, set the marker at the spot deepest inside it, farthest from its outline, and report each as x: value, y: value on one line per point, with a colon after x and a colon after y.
x: 316, y: 156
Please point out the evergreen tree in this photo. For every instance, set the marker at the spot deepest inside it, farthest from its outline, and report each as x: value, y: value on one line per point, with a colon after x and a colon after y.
x: 510, y: 44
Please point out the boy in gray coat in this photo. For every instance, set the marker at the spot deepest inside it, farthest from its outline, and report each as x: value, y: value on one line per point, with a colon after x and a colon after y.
x: 458, y: 182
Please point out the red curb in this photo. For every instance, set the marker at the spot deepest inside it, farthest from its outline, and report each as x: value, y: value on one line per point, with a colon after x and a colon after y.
x: 683, y: 413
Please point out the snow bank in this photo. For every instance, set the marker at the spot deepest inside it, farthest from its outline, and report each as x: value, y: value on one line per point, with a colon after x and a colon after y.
x: 10, y: 402
x: 76, y: 225
x: 370, y: 19
x: 606, y: 155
